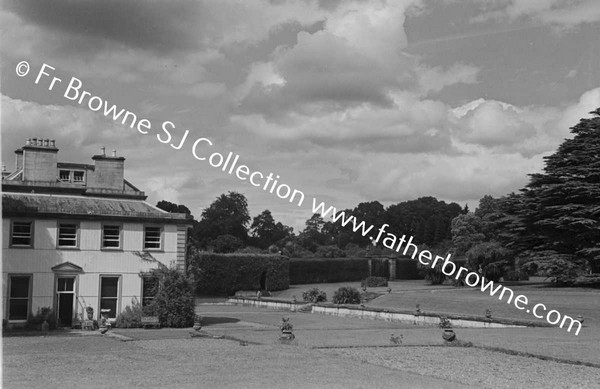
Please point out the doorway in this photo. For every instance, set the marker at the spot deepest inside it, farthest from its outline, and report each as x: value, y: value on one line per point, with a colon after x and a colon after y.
x: 65, y: 292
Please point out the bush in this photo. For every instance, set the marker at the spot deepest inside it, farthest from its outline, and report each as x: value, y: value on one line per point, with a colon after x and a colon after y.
x: 515, y: 275
x: 346, y: 295
x: 314, y: 295
x: 226, y: 244
x: 131, y: 317
x: 224, y: 274
x: 331, y: 251
x: 373, y: 282
x: 320, y: 270
x: 43, y: 314
x: 174, y: 301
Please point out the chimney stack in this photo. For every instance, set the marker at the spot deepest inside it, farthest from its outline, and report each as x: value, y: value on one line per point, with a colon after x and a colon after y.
x: 108, y: 171
x: 38, y: 159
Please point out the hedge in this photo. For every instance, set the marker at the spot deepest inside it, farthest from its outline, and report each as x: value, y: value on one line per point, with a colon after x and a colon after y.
x: 325, y: 270
x: 224, y: 274
x: 406, y: 269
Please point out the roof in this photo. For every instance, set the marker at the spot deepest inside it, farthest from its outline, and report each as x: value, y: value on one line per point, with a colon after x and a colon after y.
x: 85, y: 207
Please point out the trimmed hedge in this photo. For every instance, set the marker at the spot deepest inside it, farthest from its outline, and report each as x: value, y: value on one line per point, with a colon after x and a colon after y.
x: 224, y: 274
x: 380, y: 267
x: 326, y: 270
x: 406, y: 269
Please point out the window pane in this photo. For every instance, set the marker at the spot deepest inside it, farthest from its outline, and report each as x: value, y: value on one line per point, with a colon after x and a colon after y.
x: 78, y: 176
x: 67, y: 235
x: 63, y: 175
x: 109, y: 287
x: 21, y: 233
x: 19, y: 298
x: 152, y: 237
x: 112, y: 236
x: 18, y: 309
x: 19, y: 287
x: 65, y: 284
x: 109, y: 303
x: 149, y: 288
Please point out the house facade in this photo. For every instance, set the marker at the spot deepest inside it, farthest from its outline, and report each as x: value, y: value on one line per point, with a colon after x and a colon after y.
x: 78, y: 235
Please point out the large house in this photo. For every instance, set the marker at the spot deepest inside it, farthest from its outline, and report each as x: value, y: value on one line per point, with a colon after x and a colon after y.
x: 79, y: 235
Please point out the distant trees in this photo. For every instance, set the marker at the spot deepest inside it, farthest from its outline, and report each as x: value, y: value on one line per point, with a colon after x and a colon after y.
x: 265, y: 232
x: 227, y: 215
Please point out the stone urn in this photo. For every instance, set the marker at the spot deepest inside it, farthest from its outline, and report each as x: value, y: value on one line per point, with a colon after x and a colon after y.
x: 448, y: 335
x: 197, y: 323
x: 286, y: 327
x: 104, y: 320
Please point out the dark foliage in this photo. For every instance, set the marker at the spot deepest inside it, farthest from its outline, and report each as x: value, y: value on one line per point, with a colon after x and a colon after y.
x: 373, y: 282
x: 174, y: 300
x: 406, y: 269
x: 320, y: 270
x: 224, y: 274
x: 346, y: 295
x: 314, y: 295
x: 226, y: 244
x: 43, y: 314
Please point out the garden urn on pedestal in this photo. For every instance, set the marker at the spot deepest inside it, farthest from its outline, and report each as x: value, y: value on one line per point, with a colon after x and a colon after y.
x: 104, y: 320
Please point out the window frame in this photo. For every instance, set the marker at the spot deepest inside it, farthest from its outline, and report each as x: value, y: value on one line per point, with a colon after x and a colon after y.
x: 119, y: 278
x: 160, y: 238
x: 9, y: 298
x: 71, y: 176
x: 31, y: 234
x: 77, y: 235
x: 102, y: 237
x: 144, y: 277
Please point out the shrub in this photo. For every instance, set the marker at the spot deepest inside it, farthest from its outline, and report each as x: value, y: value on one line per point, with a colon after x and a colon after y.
x: 224, y: 274
x: 174, y: 301
x: 43, y: 314
x: 131, y: 317
x: 515, y: 275
x: 320, y: 270
x: 226, y: 244
x: 372, y: 282
x: 346, y: 295
x: 331, y: 251
x: 314, y: 295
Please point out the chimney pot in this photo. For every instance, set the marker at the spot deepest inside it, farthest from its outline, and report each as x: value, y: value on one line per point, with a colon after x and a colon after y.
x: 52, y: 143
x: 27, y: 141
x: 103, y: 151
x: 114, y: 153
x: 46, y: 142
x: 34, y: 141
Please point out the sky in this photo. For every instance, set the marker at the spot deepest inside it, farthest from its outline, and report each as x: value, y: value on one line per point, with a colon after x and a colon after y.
x: 346, y: 101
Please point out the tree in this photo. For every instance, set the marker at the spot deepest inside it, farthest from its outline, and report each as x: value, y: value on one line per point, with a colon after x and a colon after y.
x: 561, y: 206
x: 173, y: 208
x: 265, y: 232
x: 226, y: 244
x: 467, y: 231
x: 227, y: 215
x: 174, y: 299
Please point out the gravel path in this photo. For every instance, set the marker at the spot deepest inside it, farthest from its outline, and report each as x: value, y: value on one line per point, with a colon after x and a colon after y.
x: 476, y: 367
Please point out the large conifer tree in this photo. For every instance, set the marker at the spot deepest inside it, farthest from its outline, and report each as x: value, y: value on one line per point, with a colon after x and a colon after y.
x: 561, y: 207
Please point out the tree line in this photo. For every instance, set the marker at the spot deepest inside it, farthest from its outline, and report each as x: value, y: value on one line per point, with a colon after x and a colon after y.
x: 551, y: 227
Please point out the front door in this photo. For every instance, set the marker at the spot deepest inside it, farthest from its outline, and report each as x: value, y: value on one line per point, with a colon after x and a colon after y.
x: 66, y: 297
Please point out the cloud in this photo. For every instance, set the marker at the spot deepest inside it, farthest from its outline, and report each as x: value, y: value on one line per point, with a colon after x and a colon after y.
x: 136, y: 23
x: 435, y: 79
x: 559, y: 13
